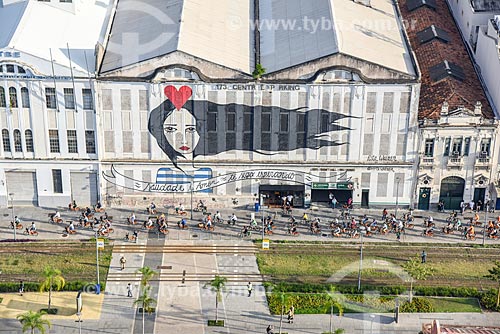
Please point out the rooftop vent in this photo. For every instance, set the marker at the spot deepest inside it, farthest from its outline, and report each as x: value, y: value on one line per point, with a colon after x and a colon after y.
x: 414, y: 4
x: 445, y: 69
x: 366, y: 3
x: 431, y: 33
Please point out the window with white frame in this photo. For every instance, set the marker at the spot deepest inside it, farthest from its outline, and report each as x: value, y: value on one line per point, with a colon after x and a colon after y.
x: 69, y: 98
x: 485, y: 146
x: 456, y: 148
x: 2, y: 98
x: 88, y: 102
x: 13, y: 97
x: 18, y: 144
x: 6, y: 140
x: 90, y: 141
x: 50, y: 98
x: 28, y: 137
x: 25, y: 97
x: 72, y: 141
x: 429, y: 148
x: 54, y: 141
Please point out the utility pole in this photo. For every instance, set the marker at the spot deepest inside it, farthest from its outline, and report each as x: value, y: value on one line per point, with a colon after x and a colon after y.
x: 11, y: 195
x: 98, y: 287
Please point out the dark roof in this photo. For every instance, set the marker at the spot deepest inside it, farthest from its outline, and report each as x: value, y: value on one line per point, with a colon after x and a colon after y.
x: 485, y: 5
x: 415, y: 4
x: 432, y: 32
x: 446, y: 69
x: 454, y: 81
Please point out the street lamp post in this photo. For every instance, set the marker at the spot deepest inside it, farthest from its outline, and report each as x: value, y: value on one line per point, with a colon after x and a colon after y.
x: 11, y: 195
x: 360, y: 261
x: 192, y: 186
x: 484, y: 225
x: 79, y: 315
x: 98, y: 286
x: 397, y: 196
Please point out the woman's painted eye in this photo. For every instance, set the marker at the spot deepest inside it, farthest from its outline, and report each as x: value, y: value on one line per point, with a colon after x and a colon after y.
x: 170, y: 129
x: 191, y: 129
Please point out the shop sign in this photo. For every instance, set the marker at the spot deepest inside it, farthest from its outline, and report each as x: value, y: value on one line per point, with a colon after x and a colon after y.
x: 344, y: 185
x: 265, y: 244
x: 320, y: 186
x: 316, y: 185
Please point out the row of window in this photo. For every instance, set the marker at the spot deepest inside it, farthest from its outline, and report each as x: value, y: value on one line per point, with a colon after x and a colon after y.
x: 53, y: 140
x: 457, y: 147
x: 13, y: 102
x: 50, y: 98
x: 69, y: 98
x: 72, y: 141
x: 18, y: 144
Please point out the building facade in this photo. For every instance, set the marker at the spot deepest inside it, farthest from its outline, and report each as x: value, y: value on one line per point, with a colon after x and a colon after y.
x: 334, y: 112
x: 49, y: 153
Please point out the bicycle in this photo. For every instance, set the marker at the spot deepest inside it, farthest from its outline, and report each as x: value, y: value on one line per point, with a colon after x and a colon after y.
x: 27, y: 231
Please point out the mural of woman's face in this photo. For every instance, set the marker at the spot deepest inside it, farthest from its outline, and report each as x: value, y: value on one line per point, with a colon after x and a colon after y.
x: 180, y: 130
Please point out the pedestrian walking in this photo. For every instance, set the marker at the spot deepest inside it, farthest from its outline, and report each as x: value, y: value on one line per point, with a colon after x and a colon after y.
x: 291, y: 314
x: 424, y: 256
x: 249, y: 288
x: 270, y: 329
x: 21, y: 288
x: 334, y: 202
x: 129, y: 290
x: 471, y: 205
x: 122, y: 262
x: 462, y: 207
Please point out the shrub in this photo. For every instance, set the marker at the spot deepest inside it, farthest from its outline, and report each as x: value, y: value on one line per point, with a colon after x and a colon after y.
x: 489, y: 300
x: 418, y: 305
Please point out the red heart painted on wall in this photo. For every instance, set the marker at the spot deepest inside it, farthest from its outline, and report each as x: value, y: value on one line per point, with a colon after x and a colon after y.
x: 178, y: 97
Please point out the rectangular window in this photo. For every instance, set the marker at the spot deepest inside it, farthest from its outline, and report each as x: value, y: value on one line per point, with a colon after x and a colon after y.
x: 456, y: 149
x: 143, y: 100
x: 72, y: 142
x: 429, y: 148
x: 212, y: 121
x: 231, y: 121
x: 247, y: 131
x: 265, y: 128
x: 144, y: 142
x: 301, y: 130
x: 128, y: 142
x: 107, y: 99
x: 109, y: 141
x: 325, y: 122
x: 447, y: 147
x: 90, y: 141
x: 69, y: 98
x: 388, y: 106
x: 371, y: 102
x: 54, y: 141
x: 6, y: 140
x: 50, y: 98
x: 283, y: 122
x: 88, y: 101
x: 57, y: 181
x: 125, y: 99
x: 247, y: 121
x: 467, y: 146
x: 485, y: 146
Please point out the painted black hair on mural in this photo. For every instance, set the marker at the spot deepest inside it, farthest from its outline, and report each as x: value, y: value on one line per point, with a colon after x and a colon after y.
x: 305, y: 128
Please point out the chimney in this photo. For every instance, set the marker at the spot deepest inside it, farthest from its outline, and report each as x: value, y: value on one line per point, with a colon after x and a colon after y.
x: 444, y: 109
x: 366, y: 3
x: 477, y: 109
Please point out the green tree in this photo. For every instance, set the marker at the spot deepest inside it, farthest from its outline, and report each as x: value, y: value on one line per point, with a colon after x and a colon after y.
x: 147, y: 275
x: 53, y: 280
x: 147, y: 303
x: 258, y: 72
x: 217, y: 285
x: 494, y: 275
x: 417, y: 271
x: 33, y: 320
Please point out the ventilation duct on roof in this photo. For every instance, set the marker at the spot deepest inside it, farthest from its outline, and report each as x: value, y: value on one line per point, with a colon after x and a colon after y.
x: 431, y: 33
x: 414, y: 4
x: 446, y: 69
x: 366, y: 3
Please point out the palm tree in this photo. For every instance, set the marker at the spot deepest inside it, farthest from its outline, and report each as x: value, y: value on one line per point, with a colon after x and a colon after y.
x: 494, y: 275
x: 147, y: 303
x: 217, y: 285
x: 33, y: 320
x: 417, y: 271
x: 147, y: 275
x: 53, y: 280
x: 258, y: 72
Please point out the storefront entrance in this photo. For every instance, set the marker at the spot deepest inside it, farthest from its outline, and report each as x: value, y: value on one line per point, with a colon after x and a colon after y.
x: 271, y: 195
x: 452, y: 192
x: 342, y: 191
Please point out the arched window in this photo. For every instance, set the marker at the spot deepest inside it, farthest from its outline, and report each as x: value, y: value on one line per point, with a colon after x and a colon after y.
x: 6, y: 140
x: 2, y: 98
x: 25, y: 97
x: 28, y: 136
x: 18, y: 144
x: 13, y: 97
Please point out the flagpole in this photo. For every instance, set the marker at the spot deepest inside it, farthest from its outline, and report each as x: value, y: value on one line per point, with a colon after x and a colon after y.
x: 54, y: 78
x: 72, y: 77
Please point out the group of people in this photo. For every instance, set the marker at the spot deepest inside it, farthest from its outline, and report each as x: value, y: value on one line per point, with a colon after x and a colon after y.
x: 476, y: 206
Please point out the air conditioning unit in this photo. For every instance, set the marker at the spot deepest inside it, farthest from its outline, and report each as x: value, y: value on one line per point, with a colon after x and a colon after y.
x: 484, y: 153
x: 456, y: 153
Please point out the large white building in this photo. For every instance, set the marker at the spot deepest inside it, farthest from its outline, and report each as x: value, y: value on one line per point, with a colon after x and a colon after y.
x: 458, y: 139
x: 335, y: 111
x: 49, y: 153
x: 479, y: 22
